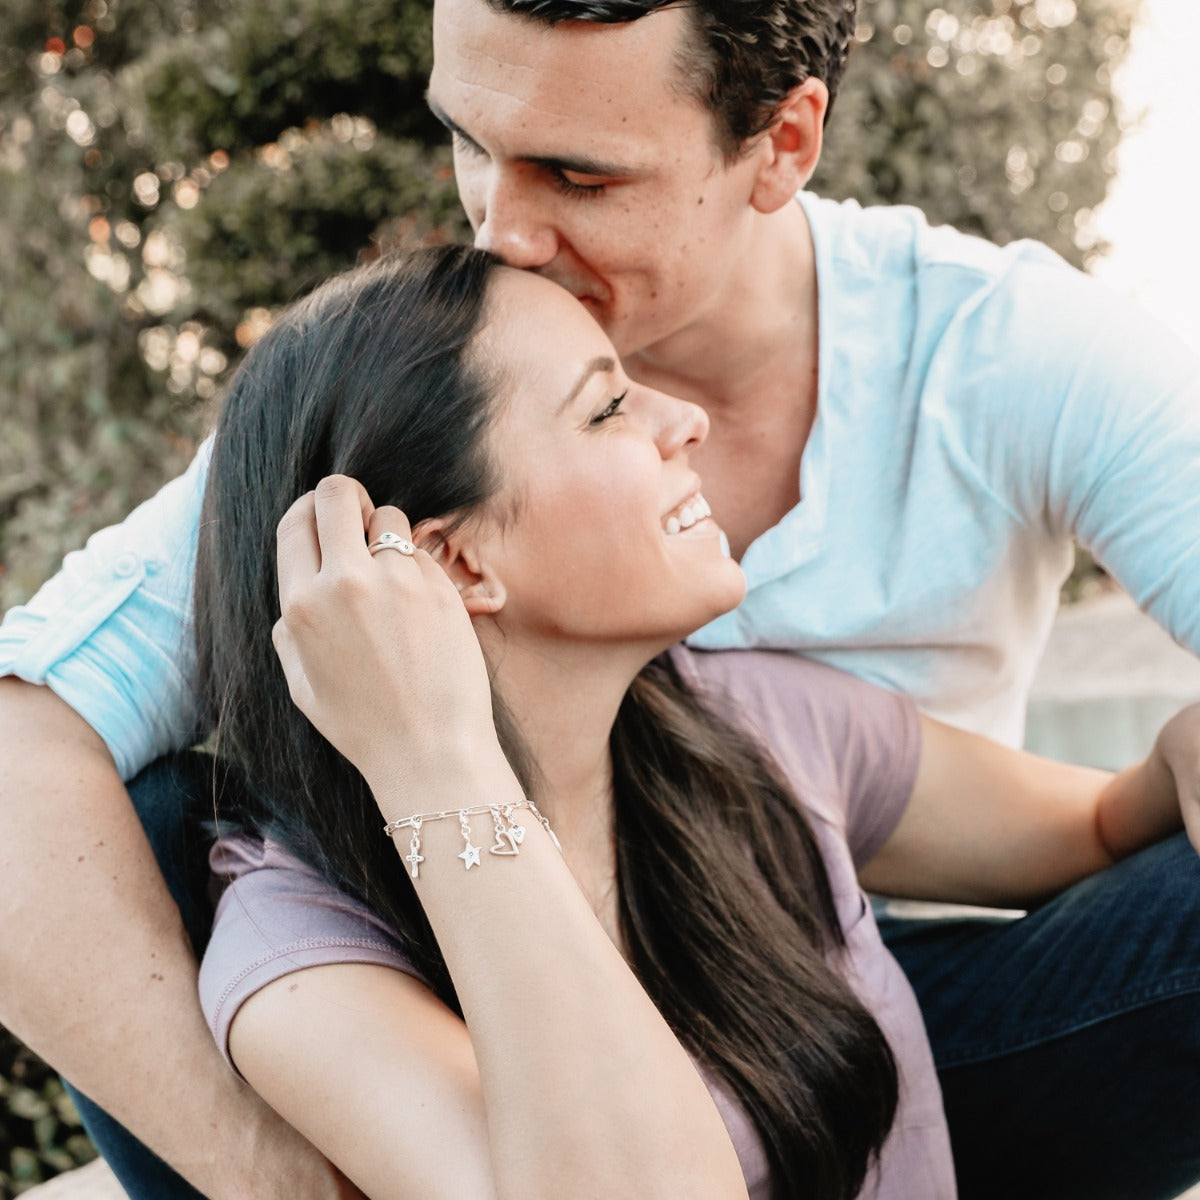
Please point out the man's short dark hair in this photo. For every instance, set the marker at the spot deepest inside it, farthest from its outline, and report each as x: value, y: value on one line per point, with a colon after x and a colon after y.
x: 751, y: 53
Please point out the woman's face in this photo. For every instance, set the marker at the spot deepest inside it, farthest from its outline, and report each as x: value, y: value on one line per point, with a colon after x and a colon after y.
x: 606, y: 535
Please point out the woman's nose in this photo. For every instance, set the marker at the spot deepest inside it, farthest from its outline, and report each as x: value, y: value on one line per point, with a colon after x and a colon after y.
x: 683, y: 426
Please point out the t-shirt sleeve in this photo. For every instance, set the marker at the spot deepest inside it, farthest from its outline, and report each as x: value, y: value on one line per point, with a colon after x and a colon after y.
x: 278, y: 916
x: 1085, y: 420
x: 1124, y: 471
x: 849, y: 749
x: 110, y: 633
x: 880, y: 735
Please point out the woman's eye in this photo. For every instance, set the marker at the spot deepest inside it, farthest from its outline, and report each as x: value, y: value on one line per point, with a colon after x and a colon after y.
x: 610, y: 409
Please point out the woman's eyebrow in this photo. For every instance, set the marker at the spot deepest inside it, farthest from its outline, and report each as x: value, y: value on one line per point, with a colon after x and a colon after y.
x: 600, y: 365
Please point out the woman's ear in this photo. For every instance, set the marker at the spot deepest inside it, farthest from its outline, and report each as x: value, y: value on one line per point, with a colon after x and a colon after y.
x: 791, y: 147
x: 454, y: 549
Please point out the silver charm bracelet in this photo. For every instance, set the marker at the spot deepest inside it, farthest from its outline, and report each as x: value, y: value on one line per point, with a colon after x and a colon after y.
x: 509, y: 835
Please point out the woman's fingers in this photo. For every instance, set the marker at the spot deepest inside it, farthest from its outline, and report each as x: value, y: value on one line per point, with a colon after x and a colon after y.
x: 293, y: 669
x: 343, y: 512
x: 297, y: 551
x: 388, y: 519
x: 323, y: 530
x: 377, y: 650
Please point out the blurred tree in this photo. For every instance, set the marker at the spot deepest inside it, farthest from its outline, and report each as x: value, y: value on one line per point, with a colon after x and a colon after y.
x: 173, y: 171
x: 995, y: 117
x: 40, y: 1132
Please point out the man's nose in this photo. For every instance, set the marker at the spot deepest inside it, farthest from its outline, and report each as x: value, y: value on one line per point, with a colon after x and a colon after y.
x: 514, y: 226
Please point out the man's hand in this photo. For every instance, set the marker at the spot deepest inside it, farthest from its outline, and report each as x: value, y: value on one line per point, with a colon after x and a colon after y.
x: 1176, y: 757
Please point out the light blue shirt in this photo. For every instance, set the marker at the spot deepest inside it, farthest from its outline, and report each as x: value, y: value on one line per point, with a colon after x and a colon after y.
x: 977, y: 408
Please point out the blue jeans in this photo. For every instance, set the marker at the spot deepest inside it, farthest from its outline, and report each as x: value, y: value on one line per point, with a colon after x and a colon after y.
x: 1068, y: 1041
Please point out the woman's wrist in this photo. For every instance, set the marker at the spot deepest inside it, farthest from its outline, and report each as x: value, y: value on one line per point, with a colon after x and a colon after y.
x: 454, y: 779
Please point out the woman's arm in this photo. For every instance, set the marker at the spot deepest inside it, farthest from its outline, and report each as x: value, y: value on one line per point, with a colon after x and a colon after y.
x: 990, y: 825
x: 566, y: 1081
x: 370, y: 1066
x: 539, y: 1094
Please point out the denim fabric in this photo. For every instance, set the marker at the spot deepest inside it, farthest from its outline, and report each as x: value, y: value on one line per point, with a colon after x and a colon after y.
x: 171, y: 797
x: 1068, y: 1041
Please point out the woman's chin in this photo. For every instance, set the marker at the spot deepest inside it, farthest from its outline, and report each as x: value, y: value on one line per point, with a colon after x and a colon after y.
x: 724, y: 588
x: 735, y: 589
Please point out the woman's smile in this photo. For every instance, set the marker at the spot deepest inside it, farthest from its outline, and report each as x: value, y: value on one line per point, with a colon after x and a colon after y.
x: 693, y: 513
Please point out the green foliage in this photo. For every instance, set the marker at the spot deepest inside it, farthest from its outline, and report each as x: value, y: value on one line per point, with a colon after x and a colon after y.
x: 322, y: 193
x: 995, y: 117
x: 173, y: 173
x: 176, y: 170
x: 269, y: 67
x: 40, y: 1131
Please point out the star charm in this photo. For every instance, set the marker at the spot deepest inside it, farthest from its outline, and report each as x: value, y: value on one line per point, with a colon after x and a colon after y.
x: 470, y: 856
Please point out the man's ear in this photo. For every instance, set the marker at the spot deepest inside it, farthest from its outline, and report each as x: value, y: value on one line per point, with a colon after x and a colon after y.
x: 791, y: 147
x: 455, y: 551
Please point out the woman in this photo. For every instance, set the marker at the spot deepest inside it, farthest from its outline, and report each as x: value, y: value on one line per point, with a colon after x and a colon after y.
x: 690, y: 999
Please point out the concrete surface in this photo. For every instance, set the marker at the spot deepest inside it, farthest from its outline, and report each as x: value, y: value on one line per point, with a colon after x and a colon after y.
x: 1108, y: 681
x: 93, y: 1182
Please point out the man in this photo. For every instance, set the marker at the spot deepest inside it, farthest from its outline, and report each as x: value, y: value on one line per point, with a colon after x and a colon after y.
x: 907, y: 427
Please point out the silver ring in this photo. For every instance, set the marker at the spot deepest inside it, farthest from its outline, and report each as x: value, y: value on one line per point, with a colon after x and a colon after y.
x: 391, y: 541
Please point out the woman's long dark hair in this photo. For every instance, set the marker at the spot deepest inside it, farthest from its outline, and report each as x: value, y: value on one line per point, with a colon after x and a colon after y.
x: 371, y: 377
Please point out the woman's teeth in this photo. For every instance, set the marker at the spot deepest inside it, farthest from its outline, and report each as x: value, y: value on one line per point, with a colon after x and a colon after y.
x: 696, y: 509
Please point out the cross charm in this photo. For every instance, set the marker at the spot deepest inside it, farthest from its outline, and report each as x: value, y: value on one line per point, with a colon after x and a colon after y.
x: 414, y: 855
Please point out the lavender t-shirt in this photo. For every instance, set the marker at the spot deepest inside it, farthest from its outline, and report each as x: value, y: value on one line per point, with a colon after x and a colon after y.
x: 850, y: 753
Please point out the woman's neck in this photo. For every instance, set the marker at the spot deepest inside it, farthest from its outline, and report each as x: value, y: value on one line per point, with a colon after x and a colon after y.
x: 563, y: 700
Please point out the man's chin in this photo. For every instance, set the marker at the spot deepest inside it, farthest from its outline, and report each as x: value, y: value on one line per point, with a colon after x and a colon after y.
x: 601, y: 313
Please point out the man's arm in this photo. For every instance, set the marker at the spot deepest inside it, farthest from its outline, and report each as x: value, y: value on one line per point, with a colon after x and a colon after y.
x: 990, y: 825
x: 1098, y: 436
x: 98, y: 975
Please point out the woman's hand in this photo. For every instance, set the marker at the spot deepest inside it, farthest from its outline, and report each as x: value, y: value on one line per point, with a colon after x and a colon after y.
x: 379, y: 652
x: 1176, y: 756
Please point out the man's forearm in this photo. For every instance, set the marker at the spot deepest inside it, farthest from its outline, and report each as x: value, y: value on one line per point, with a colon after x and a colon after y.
x: 97, y: 973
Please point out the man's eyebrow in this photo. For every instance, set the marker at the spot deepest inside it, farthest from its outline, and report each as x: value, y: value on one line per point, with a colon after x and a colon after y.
x: 581, y: 165
x: 444, y: 117
x: 601, y: 365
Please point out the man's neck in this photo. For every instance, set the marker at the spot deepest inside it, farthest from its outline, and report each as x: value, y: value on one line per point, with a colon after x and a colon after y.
x: 757, y: 339
x: 752, y: 365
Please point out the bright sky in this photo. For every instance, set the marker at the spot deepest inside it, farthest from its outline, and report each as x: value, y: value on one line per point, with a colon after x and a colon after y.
x: 1151, y: 216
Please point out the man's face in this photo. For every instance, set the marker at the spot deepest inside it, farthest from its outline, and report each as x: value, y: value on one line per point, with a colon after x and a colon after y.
x: 578, y: 155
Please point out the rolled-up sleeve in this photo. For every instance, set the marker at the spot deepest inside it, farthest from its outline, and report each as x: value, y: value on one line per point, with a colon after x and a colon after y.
x: 111, y: 632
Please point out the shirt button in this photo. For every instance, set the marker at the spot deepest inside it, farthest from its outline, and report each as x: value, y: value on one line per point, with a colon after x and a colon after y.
x: 126, y: 565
